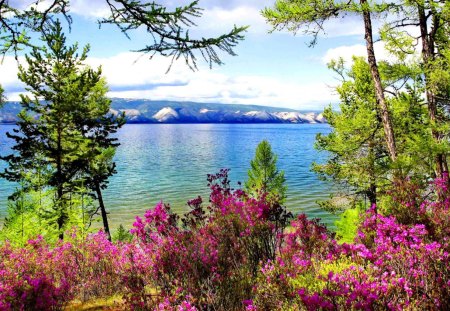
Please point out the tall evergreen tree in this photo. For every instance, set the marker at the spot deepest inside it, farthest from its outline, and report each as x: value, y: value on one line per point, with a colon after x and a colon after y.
x: 357, y: 156
x: 65, y: 125
x: 263, y: 176
x: 431, y: 19
x: 311, y: 15
x: 358, y: 160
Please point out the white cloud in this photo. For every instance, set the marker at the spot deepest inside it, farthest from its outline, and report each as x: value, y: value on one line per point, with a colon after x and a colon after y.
x: 220, y: 20
x: 257, y: 90
x: 130, y: 77
x: 132, y: 69
x: 133, y: 77
x: 90, y: 8
x: 348, y: 51
x: 9, y: 70
x: 339, y: 27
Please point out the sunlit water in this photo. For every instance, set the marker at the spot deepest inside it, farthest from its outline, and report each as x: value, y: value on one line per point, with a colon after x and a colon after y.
x: 170, y: 162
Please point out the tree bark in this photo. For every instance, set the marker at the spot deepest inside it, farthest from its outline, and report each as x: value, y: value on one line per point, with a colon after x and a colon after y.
x: 427, y: 56
x: 59, y: 185
x: 103, y: 211
x: 372, y: 191
x: 379, y: 92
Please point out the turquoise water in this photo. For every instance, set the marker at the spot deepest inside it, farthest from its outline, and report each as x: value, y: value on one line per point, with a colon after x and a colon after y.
x: 170, y: 162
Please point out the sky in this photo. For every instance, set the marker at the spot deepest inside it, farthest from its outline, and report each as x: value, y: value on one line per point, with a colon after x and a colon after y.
x: 272, y: 68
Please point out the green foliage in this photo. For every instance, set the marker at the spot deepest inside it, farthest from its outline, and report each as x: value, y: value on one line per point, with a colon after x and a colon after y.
x: 357, y: 154
x: 32, y: 215
x: 347, y: 225
x: 68, y: 147
x: 2, y: 96
x: 358, y: 159
x: 168, y: 30
x: 122, y: 235
x: 264, y: 177
x: 385, y: 102
x: 432, y: 31
x: 311, y: 14
x: 315, y: 278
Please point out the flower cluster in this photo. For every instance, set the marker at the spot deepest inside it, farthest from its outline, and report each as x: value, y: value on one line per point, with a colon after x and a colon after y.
x: 42, y: 278
x: 237, y: 254
x: 210, y: 256
x: 390, y: 266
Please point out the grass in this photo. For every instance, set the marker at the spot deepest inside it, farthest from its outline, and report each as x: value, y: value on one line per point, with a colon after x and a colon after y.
x: 111, y: 303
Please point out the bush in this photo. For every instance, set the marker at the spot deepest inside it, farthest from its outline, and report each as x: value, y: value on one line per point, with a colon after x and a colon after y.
x: 234, y: 254
x: 391, y: 266
x: 212, y: 256
x: 37, y: 277
x: 347, y: 225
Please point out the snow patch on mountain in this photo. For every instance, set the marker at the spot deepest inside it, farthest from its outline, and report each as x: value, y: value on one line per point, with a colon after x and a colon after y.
x: 166, y: 114
x: 259, y: 115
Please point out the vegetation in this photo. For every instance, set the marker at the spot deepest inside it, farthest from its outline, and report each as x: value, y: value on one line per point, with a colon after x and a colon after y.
x: 388, y: 150
x: 235, y: 254
x: 168, y: 30
x: 264, y: 177
x: 386, y: 130
x: 68, y: 147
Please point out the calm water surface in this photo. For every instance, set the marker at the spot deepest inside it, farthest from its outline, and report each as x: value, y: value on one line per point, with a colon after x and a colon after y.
x: 170, y: 162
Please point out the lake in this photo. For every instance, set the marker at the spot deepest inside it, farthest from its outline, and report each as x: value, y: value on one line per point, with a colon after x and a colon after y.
x: 170, y: 162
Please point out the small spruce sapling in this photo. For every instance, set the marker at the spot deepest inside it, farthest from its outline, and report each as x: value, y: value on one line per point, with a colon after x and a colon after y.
x: 264, y: 177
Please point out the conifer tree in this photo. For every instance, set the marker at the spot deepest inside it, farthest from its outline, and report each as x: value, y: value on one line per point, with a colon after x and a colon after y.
x: 310, y: 15
x: 431, y: 20
x: 263, y: 176
x: 358, y: 160
x: 65, y: 125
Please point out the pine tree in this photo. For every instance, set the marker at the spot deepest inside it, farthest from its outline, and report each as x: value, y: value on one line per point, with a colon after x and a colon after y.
x: 310, y: 15
x: 358, y: 160
x: 64, y: 126
x: 264, y: 177
x: 431, y: 20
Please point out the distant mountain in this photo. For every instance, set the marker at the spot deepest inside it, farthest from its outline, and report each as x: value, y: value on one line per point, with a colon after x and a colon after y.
x: 149, y: 111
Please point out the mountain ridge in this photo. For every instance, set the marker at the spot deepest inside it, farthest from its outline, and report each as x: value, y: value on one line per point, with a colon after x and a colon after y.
x: 164, y: 111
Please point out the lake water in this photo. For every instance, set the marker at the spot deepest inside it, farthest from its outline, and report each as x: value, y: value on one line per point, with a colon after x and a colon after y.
x: 170, y: 162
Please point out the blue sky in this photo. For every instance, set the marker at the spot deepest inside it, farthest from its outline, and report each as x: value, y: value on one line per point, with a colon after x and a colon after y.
x: 276, y: 69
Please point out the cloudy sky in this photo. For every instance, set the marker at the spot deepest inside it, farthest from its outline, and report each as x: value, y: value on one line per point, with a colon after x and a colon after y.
x: 273, y: 69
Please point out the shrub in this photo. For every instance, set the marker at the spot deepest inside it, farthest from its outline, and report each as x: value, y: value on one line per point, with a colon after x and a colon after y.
x: 213, y: 254
x: 36, y: 277
x: 234, y: 254
x: 391, y: 266
x: 347, y: 225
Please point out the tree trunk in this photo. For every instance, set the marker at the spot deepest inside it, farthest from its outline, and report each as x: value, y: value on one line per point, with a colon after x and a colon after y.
x: 372, y: 195
x: 103, y: 211
x: 427, y: 56
x: 381, y: 101
x: 372, y: 191
x: 59, y: 184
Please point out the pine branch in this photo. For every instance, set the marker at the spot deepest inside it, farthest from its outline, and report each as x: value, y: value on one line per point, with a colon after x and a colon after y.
x: 169, y: 31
